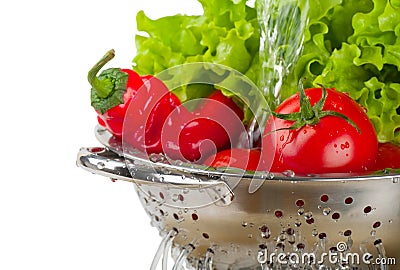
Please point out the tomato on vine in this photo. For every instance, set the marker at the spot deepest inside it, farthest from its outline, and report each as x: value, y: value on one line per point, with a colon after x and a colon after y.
x: 320, y: 130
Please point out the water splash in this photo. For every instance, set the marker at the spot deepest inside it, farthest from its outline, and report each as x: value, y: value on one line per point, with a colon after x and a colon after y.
x: 282, y: 25
x: 180, y: 260
x: 167, y: 248
x: 208, y: 261
x: 161, y: 248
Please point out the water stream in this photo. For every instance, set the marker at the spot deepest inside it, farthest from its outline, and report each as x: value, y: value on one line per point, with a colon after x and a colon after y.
x: 282, y: 26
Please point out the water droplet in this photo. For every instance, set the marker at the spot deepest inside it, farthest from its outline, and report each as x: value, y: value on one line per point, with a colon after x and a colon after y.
x: 314, y: 232
x: 373, y: 233
x: 297, y: 223
x: 289, y: 173
x: 300, y: 211
x: 308, y: 215
x: 101, y: 165
x: 326, y: 211
x: 244, y: 224
x: 175, y: 197
x: 265, y: 232
x: 345, y: 145
x: 250, y: 235
x: 156, y: 158
x: 396, y: 180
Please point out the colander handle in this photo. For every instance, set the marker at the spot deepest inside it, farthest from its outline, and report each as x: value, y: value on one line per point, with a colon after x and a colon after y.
x: 101, y: 161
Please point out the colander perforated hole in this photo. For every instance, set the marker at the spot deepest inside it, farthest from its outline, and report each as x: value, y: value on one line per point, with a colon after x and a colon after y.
x: 300, y: 203
x: 206, y: 236
x: 378, y: 242
x: 349, y: 200
x: 324, y: 198
x: 279, y: 213
x: 367, y: 209
x: 310, y: 221
x: 347, y: 233
x: 280, y: 246
x: 290, y: 231
x: 263, y: 246
x: 195, y: 217
x: 322, y: 236
x: 333, y: 249
x: 301, y: 246
x: 336, y: 216
x: 176, y: 216
x: 265, y: 232
x: 376, y: 225
x: 161, y: 196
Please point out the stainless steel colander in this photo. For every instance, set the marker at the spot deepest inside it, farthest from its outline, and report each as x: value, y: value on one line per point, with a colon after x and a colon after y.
x: 244, y: 220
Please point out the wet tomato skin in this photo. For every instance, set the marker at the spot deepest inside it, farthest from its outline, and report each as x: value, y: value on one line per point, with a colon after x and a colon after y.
x: 245, y: 159
x: 388, y: 157
x: 332, y: 145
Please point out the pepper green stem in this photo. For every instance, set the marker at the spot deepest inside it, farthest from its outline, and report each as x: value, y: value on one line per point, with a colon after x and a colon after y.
x: 103, y: 87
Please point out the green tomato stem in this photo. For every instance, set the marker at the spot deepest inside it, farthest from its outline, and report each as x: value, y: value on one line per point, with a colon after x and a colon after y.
x: 306, y: 110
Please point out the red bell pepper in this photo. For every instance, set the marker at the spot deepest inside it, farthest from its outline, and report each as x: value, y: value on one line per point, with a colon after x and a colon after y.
x: 112, y: 92
x: 143, y: 111
x: 215, y: 125
x: 157, y: 122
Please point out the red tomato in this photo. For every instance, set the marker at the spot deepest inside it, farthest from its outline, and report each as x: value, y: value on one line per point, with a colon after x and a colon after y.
x: 388, y: 157
x: 246, y: 159
x: 332, y: 144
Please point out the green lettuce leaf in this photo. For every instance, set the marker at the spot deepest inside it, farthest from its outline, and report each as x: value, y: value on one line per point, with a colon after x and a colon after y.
x: 352, y: 45
x: 226, y: 34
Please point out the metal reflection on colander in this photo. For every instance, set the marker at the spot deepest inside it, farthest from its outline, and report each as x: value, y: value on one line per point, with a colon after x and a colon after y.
x: 240, y: 220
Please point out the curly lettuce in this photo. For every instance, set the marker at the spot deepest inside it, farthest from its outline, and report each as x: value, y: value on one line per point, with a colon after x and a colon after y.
x: 352, y: 45
x: 226, y: 34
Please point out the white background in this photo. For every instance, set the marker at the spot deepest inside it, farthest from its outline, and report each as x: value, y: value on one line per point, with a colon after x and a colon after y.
x: 54, y: 215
